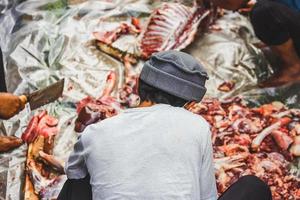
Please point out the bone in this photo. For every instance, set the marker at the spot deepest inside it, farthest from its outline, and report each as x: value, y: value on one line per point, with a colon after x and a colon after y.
x: 110, y: 84
x: 282, y: 139
x: 115, y: 52
x: 232, y: 149
x: 267, y: 131
x: 282, y: 114
x: 295, y: 148
x: 230, y: 162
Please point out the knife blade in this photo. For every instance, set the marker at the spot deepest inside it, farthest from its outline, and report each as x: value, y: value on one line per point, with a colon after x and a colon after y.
x: 44, y: 96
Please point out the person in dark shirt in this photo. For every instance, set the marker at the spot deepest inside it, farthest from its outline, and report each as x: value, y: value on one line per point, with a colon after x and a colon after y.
x: 277, y: 24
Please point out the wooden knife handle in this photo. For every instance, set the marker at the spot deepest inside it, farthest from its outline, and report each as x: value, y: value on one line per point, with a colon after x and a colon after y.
x: 24, y: 100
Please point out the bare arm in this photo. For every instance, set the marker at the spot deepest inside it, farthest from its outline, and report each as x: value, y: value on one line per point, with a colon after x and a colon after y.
x: 288, y: 54
x: 10, y: 105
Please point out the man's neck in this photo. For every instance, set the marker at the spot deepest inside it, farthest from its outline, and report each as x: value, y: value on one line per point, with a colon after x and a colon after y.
x: 146, y: 104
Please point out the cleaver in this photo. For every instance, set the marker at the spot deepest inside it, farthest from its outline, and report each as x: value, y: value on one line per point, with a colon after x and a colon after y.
x: 44, y: 96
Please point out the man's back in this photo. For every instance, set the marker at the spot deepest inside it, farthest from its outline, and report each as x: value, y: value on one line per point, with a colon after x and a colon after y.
x: 154, y: 152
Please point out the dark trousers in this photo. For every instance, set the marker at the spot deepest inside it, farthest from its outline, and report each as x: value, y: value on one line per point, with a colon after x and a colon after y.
x: 246, y: 188
x: 76, y: 189
x: 2, y: 77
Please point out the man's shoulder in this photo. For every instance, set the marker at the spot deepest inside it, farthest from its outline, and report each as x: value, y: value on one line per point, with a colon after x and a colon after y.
x: 193, y: 126
x: 101, y: 128
x: 186, y: 113
x: 191, y: 118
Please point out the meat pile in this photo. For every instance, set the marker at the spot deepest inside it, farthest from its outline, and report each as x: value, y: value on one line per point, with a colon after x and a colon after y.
x: 260, y: 141
x: 43, y: 172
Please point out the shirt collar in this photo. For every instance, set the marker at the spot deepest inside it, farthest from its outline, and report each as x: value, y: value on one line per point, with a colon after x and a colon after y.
x: 147, y: 109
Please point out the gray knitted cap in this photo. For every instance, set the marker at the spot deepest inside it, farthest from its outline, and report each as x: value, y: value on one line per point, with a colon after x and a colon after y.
x: 176, y: 73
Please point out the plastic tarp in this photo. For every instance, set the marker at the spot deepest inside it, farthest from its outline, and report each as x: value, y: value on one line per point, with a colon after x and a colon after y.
x: 43, y: 41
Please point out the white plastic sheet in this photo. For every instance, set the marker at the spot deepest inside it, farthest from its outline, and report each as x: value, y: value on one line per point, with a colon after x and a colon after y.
x: 44, y: 41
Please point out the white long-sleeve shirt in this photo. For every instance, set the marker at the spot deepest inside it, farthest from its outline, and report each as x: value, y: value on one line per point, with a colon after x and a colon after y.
x: 151, y: 153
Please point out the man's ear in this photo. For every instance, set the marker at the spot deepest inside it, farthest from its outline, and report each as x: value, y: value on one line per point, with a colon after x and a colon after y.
x: 189, y: 105
x: 146, y: 103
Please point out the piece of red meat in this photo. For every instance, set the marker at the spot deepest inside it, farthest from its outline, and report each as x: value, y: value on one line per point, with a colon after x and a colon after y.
x: 40, y: 124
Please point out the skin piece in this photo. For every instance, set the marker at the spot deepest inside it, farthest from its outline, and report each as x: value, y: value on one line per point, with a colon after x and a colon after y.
x: 290, y: 71
x: 10, y: 105
x: 8, y: 143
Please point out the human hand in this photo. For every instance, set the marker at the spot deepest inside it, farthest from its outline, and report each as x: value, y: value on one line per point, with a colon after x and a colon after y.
x: 10, y: 105
x: 8, y: 143
x: 54, y: 162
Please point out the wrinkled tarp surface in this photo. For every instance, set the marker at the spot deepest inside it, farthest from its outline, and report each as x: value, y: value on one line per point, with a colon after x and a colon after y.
x: 43, y: 41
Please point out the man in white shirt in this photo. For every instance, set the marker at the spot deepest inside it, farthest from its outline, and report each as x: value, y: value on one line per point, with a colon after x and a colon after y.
x: 156, y: 151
